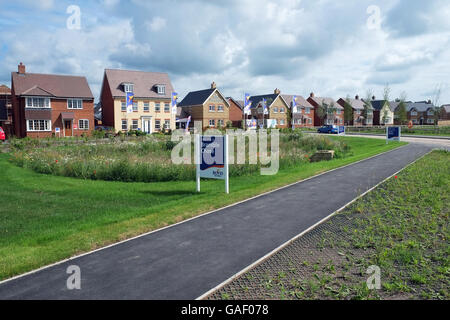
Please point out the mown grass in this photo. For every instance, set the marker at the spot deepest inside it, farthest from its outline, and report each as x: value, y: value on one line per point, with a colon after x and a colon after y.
x: 46, y: 218
x: 424, y: 131
x: 402, y: 227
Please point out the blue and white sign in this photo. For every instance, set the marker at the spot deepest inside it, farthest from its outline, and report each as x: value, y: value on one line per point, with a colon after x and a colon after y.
x: 393, y: 133
x: 57, y: 130
x: 341, y: 130
x: 212, y: 159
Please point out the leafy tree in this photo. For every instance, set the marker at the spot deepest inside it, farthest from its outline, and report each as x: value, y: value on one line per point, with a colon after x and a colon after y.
x: 348, y: 111
x: 326, y: 111
x: 368, y: 109
x: 400, y: 112
x: 386, y: 98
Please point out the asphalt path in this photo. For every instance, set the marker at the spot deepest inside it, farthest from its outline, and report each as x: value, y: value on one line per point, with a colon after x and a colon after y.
x: 188, y: 259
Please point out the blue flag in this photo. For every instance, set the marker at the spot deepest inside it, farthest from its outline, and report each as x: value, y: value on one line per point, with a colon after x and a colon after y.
x: 130, y: 98
x: 247, y: 103
x: 174, y: 102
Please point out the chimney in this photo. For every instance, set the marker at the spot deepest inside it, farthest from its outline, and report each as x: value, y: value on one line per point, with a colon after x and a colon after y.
x: 311, y: 94
x: 276, y: 91
x: 213, y: 85
x: 357, y: 97
x: 21, y: 68
x: 429, y: 102
x: 373, y: 97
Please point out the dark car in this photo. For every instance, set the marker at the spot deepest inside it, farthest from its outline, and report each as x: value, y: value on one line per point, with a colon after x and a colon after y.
x: 328, y: 129
x: 2, y: 134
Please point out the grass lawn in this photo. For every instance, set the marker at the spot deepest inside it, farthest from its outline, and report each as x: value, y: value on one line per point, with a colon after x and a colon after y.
x: 47, y: 218
x: 402, y: 227
x: 443, y: 131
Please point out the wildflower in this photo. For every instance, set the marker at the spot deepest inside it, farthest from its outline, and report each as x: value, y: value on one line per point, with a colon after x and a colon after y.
x: 56, y: 161
x: 395, y: 177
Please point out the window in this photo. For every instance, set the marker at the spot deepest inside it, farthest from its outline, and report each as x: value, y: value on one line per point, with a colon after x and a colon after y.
x: 281, y: 110
x: 124, y: 106
x: 134, y: 124
x: 38, y: 102
x: 298, y: 109
x: 212, y: 122
x: 124, y: 124
x: 166, y: 107
x: 338, y: 111
x: 430, y: 112
x: 219, y: 108
x: 161, y: 89
x: 135, y: 107
x: 146, y: 107
x: 414, y: 113
x: 166, y: 124
x: 307, y: 110
x: 83, y: 124
x: 358, y: 111
x: 157, y: 124
x: 212, y: 108
x: 220, y: 123
x: 75, y: 104
x: 39, y: 125
x: 415, y: 121
x: 275, y: 110
x: 260, y: 110
x: 157, y: 107
x: 309, y: 121
x: 128, y: 87
x: 430, y: 121
x: 281, y: 121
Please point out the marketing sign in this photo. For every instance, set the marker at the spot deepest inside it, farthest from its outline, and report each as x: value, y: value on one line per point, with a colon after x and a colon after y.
x: 341, y: 130
x: 130, y: 98
x: 393, y: 133
x: 212, y: 159
x: 271, y: 123
x: 251, y: 123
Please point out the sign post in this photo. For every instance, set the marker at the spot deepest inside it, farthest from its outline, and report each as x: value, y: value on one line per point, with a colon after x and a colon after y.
x: 212, y: 159
x: 341, y: 130
x: 393, y: 133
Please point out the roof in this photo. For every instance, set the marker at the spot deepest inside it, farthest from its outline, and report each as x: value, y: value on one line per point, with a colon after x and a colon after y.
x: 51, y: 85
x: 194, y: 98
x: 300, y: 101
x: 357, y: 104
x: 419, y: 106
x: 5, y: 89
x: 256, y: 100
x: 239, y: 103
x: 182, y: 113
x: 446, y: 107
x: 327, y: 101
x: 143, y: 83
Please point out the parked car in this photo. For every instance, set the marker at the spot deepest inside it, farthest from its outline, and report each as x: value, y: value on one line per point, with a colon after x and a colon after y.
x: 2, y: 134
x: 328, y: 129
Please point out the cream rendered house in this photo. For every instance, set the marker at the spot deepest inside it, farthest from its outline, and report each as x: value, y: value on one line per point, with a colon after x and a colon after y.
x: 152, y: 101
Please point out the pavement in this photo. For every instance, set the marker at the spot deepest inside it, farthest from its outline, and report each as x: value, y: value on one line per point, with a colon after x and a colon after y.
x: 186, y: 260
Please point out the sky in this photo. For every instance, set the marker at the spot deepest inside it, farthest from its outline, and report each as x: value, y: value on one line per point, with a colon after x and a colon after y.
x: 332, y: 48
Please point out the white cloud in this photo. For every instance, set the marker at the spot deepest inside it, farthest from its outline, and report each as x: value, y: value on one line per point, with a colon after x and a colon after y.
x: 156, y: 24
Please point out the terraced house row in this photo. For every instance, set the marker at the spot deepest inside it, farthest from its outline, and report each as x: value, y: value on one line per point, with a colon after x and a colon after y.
x: 44, y: 105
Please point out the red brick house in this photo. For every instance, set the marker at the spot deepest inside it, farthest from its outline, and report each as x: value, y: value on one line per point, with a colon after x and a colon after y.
x: 302, y: 115
x: 336, y: 117
x: 44, y: 104
x: 362, y: 113
x: 445, y: 112
x: 236, y: 112
x: 6, y: 114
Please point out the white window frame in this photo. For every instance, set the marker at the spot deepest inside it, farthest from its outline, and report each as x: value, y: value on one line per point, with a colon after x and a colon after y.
x: 123, y: 107
x: 307, y: 110
x: 46, y: 104
x: 135, y: 106
x: 157, y: 124
x: 166, y: 107
x: 78, y: 102
x: 83, y: 121
x: 166, y: 124
x: 128, y: 87
x: 220, y: 108
x: 212, y: 108
x: 430, y: 120
x: 213, y: 123
x: 124, y: 122
x: 282, y: 122
x: 338, y: 111
x: 281, y: 110
x: 161, y: 89
x: 134, y: 124
x: 220, y: 122
x: 146, y: 107
x: 48, y: 122
x: 275, y: 109
x: 414, y: 113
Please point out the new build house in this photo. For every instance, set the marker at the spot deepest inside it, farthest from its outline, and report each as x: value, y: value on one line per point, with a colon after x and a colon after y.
x: 208, y: 106
x: 46, y: 105
x: 270, y: 110
x: 6, y: 114
x: 421, y: 113
x: 383, y: 111
x: 236, y: 112
x: 360, y: 113
x: 302, y: 112
x: 326, y: 111
x: 152, y: 96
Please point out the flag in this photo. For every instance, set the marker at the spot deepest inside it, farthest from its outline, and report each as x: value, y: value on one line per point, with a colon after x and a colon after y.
x: 174, y: 102
x: 130, y: 97
x: 247, y: 103
x: 294, y: 102
x: 187, y: 124
x: 264, y: 104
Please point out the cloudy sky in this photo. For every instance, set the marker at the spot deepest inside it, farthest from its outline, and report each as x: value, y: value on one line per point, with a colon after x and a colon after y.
x: 333, y: 48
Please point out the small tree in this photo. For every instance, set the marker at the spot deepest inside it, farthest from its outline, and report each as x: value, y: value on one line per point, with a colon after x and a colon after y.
x: 348, y: 111
x: 401, y: 109
x: 386, y: 98
x: 368, y: 109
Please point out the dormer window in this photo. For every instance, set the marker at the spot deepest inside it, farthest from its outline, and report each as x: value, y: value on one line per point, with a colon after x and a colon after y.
x: 161, y: 89
x: 128, y: 87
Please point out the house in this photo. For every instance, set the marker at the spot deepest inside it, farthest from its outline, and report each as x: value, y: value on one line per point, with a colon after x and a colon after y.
x: 445, y: 113
x: 383, y: 111
x: 270, y: 110
x: 421, y: 113
x: 302, y: 112
x: 361, y: 113
x: 208, y: 106
x: 6, y: 113
x: 152, y: 97
x: 326, y: 111
x: 236, y: 112
x: 46, y: 105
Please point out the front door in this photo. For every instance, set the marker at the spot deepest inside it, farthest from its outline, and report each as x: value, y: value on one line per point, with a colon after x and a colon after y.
x: 67, y: 128
x: 147, y: 125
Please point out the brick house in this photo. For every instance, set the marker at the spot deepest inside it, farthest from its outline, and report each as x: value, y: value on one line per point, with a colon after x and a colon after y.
x: 336, y: 117
x: 278, y: 113
x: 45, y: 103
x: 421, y: 113
x: 208, y: 106
x: 445, y: 112
x: 383, y: 111
x: 358, y: 110
x: 6, y: 113
x: 302, y: 115
x: 152, y: 109
x: 236, y: 112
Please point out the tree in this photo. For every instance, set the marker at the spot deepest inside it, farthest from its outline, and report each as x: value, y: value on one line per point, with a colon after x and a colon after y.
x: 348, y: 111
x: 386, y: 98
x: 400, y: 112
x: 435, y: 103
x: 326, y: 111
x: 368, y: 109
